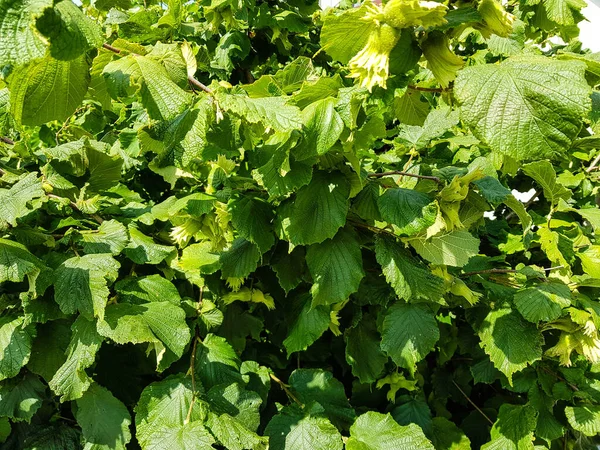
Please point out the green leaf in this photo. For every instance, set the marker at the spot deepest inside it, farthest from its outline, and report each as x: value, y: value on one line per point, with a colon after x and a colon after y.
x: 271, y: 112
x: 408, y: 334
x: 15, y: 345
x: 81, y: 284
x: 241, y: 404
x: 376, y: 431
x: 513, y: 430
x: 143, y: 250
x: 323, y: 126
x: 412, y: 410
x: 453, y: 248
x: 16, y: 263
x: 103, y: 419
x: 309, y: 325
x: 289, y: 431
x: 20, y: 398
x: 584, y: 418
x: 186, y: 137
x: 336, y: 268
x: 289, y: 267
x: 161, y: 324
x: 338, y: 27
x: 320, y: 209
x: 71, y: 380
x: 510, y: 342
x: 13, y: 201
x: 564, y: 12
x: 252, y: 219
x: 216, y: 362
x: 151, y: 288
x: 409, y: 210
x: 409, y: 279
x: 527, y: 108
x: 53, y: 437
x: 363, y: 351
x: 543, y: 173
x: 447, y: 436
x: 20, y: 43
x: 110, y: 237
x: 161, y: 417
x: 69, y: 32
x: 240, y: 260
x: 437, y: 122
x: 279, y: 179
x: 5, y: 429
x: 544, y: 302
x: 233, y: 435
x: 47, y: 90
x: 200, y: 259
x: 162, y: 98
x: 49, y: 346
x: 321, y: 387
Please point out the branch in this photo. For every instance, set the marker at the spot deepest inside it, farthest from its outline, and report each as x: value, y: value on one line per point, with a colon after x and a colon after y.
x: 283, y: 386
x: 426, y: 89
x: 191, y: 79
x: 404, y: 174
x: 111, y: 48
x: 477, y: 272
x: 200, y: 85
x: 593, y: 164
x: 472, y: 403
x: 527, y: 204
x: 7, y: 140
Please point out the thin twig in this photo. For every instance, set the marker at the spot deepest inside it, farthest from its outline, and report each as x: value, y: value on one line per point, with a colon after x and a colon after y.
x: 283, y: 386
x: 405, y: 174
x: 472, y: 403
x: 477, y: 272
x: 527, y: 204
x: 593, y: 164
x: 558, y: 377
x: 371, y: 228
x: 426, y: 89
x: 7, y: 140
x: 200, y: 85
x: 111, y: 48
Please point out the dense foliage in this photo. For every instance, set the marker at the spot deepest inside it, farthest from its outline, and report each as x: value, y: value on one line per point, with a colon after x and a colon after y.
x: 245, y: 224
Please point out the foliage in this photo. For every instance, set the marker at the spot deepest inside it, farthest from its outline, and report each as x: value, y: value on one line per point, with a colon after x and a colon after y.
x: 245, y: 224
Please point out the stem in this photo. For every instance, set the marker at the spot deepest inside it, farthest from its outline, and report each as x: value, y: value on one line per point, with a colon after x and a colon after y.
x: 472, y: 403
x: 477, y: 272
x: 73, y: 205
x: 7, y: 140
x: 283, y: 386
x: 191, y: 79
x: 193, y: 360
x: 405, y: 174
